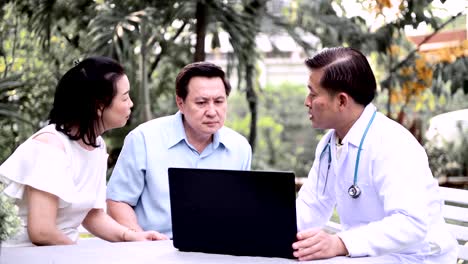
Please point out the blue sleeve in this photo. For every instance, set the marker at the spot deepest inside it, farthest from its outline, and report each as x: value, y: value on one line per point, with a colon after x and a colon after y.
x: 128, y: 177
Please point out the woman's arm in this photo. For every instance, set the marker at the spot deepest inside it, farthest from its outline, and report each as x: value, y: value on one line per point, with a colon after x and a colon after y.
x: 103, y: 226
x: 42, y: 216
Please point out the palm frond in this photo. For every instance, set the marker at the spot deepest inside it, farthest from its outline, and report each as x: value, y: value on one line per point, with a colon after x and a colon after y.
x: 10, y: 83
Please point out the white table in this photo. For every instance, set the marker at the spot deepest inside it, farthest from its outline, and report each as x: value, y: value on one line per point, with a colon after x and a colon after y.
x: 98, y: 251
x: 94, y: 251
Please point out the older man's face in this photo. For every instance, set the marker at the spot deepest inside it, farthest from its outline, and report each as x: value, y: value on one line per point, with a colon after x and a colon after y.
x: 205, y: 106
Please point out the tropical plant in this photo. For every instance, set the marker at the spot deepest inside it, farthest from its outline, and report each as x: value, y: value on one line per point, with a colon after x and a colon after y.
x: 28, y: 77
x: 154, y: 39
x: 9, y: 221
x: 450, y: 158
x: 286, y: 140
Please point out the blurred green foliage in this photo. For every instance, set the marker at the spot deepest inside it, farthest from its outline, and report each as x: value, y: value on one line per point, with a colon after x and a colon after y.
x: 10, y: 223
x: 40, y: 39
x: 286, y: 139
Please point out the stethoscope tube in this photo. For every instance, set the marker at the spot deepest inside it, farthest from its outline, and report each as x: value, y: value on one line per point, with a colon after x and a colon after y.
x: 353, y: 191
x: 328, y: 166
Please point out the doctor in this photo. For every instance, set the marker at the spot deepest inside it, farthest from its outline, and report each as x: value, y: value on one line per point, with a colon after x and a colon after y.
x: 371, y: 169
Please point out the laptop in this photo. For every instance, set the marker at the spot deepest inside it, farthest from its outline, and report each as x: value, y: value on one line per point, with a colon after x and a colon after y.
x: 247, y: 213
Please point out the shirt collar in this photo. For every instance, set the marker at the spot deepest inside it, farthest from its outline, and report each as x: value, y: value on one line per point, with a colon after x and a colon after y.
x: 222, y: 137
x: 354, y: 135
x: 178, y: 134
x: 177, y: 131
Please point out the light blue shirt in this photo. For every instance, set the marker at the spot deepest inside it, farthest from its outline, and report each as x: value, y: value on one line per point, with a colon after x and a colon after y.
x: 140, y: 175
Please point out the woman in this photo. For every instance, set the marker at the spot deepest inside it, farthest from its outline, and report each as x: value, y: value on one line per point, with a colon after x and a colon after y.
x: 58, y: 176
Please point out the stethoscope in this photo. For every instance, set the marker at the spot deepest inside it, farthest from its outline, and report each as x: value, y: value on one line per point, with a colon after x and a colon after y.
x: 354, y: 191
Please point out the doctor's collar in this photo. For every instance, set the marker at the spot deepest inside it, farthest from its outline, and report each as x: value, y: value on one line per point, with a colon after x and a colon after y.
x: 355, y: 133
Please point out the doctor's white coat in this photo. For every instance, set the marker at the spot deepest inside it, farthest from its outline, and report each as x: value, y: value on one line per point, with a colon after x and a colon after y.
x: 399, y: 209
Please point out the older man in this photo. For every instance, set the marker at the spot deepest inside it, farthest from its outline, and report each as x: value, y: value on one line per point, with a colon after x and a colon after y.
x: 195, y: 137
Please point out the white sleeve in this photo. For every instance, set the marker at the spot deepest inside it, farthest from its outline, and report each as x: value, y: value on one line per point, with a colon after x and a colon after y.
x: 41, y: 166
x: 316, y: 201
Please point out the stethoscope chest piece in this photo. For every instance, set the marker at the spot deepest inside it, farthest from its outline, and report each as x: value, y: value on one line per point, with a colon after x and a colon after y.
x: 354, y: 191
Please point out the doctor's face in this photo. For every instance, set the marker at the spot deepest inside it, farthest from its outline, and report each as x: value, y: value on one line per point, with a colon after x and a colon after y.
x: 322, y: 106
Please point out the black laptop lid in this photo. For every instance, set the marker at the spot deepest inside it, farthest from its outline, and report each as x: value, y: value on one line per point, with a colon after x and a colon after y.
x: 249, y: 213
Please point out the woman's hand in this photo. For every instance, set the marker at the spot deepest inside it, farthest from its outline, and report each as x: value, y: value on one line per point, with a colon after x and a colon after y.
x: 103, y: 226
x: 131, y: 235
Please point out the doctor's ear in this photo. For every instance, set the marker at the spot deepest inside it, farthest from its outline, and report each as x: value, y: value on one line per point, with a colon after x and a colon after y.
x: 343, y: 99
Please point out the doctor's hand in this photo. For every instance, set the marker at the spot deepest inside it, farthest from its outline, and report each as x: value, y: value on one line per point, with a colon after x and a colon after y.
x: 144, y: 236
x: 317, y: 244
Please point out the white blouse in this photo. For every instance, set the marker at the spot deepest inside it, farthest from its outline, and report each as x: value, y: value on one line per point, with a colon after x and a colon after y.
x: 76, y: 176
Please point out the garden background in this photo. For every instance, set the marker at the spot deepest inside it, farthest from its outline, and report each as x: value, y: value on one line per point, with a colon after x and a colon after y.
x: 417, y: 48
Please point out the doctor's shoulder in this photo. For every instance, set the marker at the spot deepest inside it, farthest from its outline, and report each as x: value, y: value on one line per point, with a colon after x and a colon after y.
x: 392, y: 135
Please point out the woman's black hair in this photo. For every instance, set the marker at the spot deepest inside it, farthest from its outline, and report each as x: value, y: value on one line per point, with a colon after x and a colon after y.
x: 82, y: 92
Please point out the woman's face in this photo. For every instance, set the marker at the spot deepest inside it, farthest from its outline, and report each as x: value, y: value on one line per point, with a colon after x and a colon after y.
x: 117, y: 113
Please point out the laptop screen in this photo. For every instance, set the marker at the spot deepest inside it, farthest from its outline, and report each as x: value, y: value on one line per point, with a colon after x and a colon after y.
x: 249, y: 213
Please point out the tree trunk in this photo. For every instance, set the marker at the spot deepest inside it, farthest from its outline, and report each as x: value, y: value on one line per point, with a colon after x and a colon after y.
x: 253, y: 9
x: 201, y: 16
x: 144, y: 95
x: 252, y: 99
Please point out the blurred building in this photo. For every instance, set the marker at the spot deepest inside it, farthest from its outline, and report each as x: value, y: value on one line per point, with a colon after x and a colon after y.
x: 445, y: 45
x: 282, y: 59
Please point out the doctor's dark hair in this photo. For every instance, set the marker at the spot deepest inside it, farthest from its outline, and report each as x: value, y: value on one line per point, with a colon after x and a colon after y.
x: 345, y: 70
x: 81, y: 93
x: 199, y: 69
